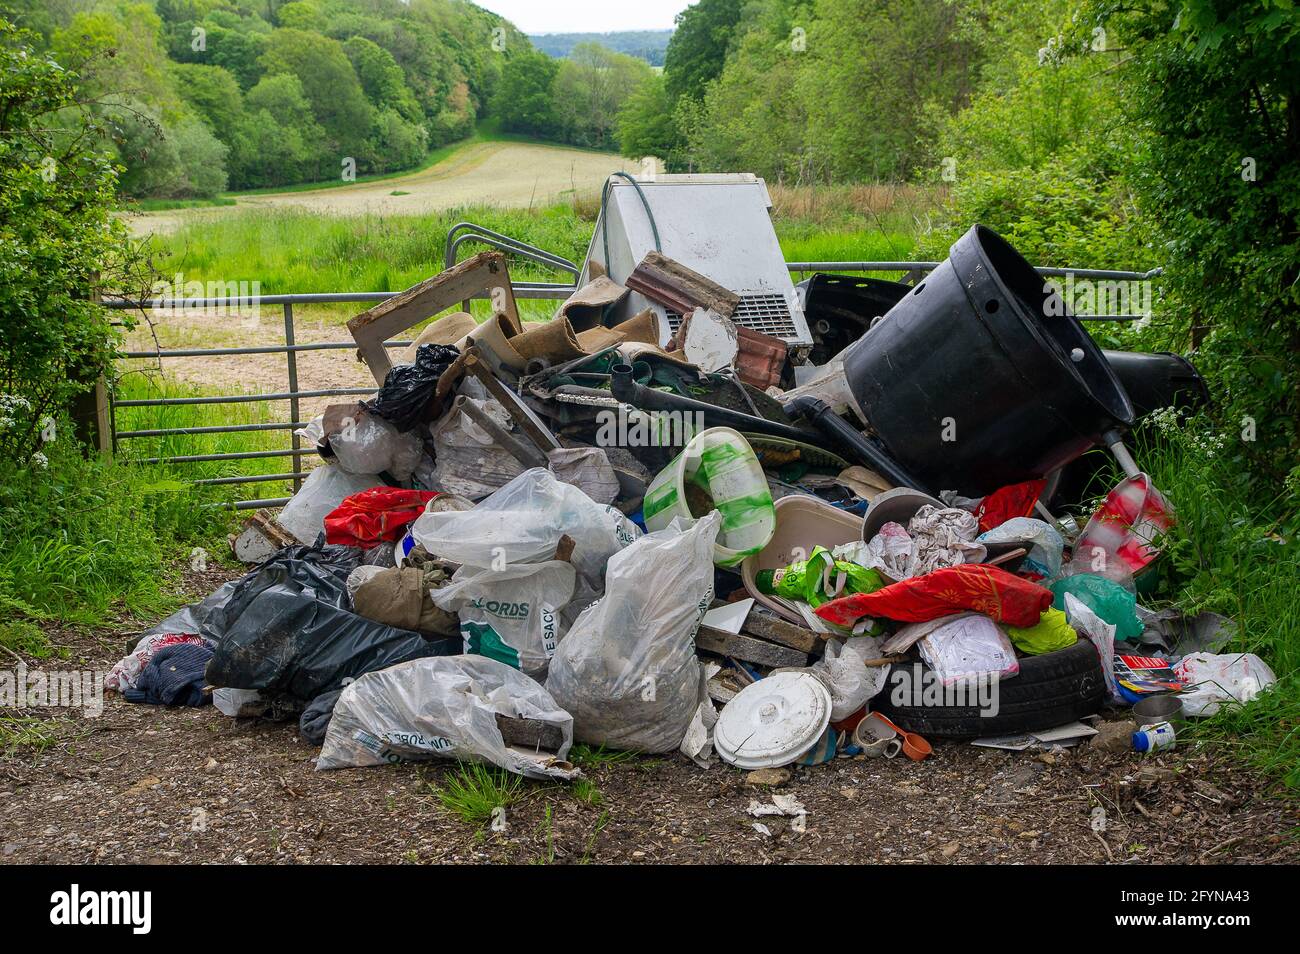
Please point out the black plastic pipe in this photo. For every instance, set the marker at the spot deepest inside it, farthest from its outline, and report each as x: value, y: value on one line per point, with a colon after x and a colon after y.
x: 854, y: 442
x: 624, y: 387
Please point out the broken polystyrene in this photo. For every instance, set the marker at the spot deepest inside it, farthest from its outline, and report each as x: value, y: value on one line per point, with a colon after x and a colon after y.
x: 445, y: 707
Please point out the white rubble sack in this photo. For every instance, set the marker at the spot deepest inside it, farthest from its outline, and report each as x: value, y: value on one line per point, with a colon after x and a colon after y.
x: 627, y: 670
x: 512, y: 614
x: 444, y: 707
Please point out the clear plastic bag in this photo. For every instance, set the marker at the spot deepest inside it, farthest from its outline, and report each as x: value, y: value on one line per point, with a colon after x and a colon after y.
x: 843, y: 670
x: 511, y: 615
x: 444, y: 707
x: 627, y: 670
x: 371, y: 445
x: 1101, y: 634
x: 523, y: 522
x: 1216, y: 679
x: 323, y: 490
x: 1043, y: 541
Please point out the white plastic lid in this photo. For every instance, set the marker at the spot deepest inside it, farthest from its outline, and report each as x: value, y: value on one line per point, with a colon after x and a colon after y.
x: 773, y: 721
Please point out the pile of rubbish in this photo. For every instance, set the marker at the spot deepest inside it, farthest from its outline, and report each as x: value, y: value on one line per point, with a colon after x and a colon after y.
x: 690, y: 538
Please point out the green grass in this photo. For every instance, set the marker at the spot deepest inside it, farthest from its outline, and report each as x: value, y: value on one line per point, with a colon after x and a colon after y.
x: 487, y: 131
x: 137, y: 385
x: 474, y: 792
x: 291, y: 250
x: 1235, y: 551
x: 590, y: 757
x: 25, y: 637
x: 89, y: 538
x: 434, y: 157
x: 19, y: 733
x: 164, y: 205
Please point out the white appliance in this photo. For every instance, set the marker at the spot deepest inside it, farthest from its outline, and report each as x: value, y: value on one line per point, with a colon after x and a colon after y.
x: 718, y: 225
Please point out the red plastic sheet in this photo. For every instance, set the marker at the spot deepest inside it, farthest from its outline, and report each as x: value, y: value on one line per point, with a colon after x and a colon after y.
x: 373, y: 516
x: 1017, y: 500
x: 955, y: 589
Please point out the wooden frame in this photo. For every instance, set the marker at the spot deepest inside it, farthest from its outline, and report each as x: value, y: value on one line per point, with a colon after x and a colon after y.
x: 485, y: 272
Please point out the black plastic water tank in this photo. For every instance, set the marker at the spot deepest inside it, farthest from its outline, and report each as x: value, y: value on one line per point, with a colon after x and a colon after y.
x: 981, y: 377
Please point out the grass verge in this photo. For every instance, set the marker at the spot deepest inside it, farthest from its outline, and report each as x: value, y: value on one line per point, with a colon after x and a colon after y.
x: 1234, y: 551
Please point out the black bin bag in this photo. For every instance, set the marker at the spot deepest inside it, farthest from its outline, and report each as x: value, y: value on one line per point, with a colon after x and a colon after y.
x: 288, y: 629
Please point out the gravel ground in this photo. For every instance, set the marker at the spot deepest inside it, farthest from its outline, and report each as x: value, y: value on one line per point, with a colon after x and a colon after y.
x: 145, y: 784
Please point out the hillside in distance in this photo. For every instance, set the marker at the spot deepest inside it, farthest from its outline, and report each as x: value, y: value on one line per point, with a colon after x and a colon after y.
x: 648, y: 45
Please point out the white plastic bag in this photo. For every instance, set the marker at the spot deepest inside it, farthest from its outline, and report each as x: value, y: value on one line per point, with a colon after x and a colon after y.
x: 371, y: 445
x: 844, y: 671
x: 239, y: 703
x: 1043, y: 541
x: 443, y: 707
x: 322, y: 491
x: 523, y: 522
x: 1218, y: 678
x: 511, y: 615
x: 1101, y: 634
x: 969, y: 648
x: 627, y: 670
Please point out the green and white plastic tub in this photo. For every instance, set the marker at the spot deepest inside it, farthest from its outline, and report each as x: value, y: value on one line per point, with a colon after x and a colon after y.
x: 720, y: 462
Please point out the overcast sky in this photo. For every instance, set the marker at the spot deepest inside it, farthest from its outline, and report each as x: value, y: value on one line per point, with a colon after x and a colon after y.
x: 587, y: 16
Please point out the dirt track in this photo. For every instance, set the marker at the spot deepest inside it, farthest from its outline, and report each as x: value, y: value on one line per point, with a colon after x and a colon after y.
x: 507, y: 174
x: 144, y: 784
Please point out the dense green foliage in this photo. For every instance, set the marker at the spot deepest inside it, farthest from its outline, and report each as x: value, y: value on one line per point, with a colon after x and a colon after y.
x: 57, y: 239
x: 1219, y: 178
x: 204, y: 95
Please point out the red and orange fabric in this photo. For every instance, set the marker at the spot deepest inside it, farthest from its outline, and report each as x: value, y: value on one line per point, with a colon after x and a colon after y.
x: 972, y: 586
x: 373, y: 516
x: 1017, y: 500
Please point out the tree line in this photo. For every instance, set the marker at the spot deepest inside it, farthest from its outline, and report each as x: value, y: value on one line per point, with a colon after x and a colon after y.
x: 200, y: 96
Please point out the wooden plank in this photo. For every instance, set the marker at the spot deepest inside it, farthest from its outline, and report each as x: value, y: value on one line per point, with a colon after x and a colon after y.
x: 485, y: 272
x: 748, y: 649
x: 766, y: 625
